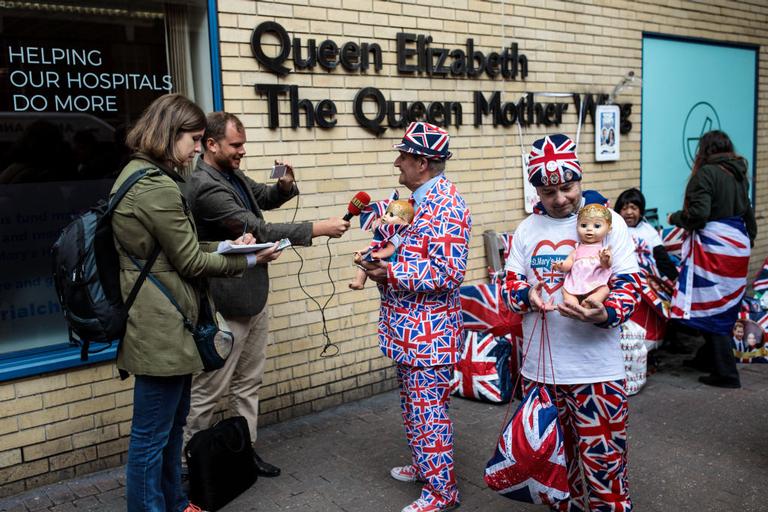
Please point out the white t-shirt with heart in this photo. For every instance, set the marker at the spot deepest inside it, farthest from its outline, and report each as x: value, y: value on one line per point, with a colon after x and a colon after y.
x: 580, y: 352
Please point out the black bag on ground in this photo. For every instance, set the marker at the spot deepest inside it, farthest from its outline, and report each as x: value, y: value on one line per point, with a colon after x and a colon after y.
x: 220, y: 463
x: 86, y: 273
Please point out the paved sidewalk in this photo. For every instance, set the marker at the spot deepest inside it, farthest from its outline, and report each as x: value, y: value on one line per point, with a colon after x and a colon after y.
x: 692, y: 448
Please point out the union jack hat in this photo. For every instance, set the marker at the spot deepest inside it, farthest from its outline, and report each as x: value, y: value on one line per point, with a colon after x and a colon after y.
x: 553, y: 161
x: 425, y: 139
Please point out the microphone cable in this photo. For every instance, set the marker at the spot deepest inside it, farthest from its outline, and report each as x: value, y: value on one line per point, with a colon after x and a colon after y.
x: 329, y: 345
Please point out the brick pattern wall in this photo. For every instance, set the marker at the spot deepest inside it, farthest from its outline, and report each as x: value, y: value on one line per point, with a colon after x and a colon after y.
x: 58, y: 425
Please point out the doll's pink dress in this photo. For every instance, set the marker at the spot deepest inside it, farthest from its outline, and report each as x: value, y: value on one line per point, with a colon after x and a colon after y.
x: 587, y: 273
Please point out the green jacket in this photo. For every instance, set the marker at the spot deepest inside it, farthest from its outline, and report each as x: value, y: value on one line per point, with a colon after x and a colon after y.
x: 719, y: 189
x: 153, y: 211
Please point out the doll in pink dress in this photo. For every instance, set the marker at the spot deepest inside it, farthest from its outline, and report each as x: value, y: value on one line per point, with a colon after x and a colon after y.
x: 588, y: 267
x: 386, y: 238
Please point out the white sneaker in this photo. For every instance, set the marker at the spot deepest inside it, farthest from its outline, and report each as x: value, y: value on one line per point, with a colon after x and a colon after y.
x: 406, y: 474
x: 422, y: 505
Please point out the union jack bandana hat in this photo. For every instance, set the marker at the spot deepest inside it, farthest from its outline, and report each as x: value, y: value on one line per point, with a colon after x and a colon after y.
x: 553, y: 161
x: 426, y: 140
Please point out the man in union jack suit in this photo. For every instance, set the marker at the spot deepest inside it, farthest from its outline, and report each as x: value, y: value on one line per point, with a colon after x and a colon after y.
x: 420, y: 325
x: 580, y: 360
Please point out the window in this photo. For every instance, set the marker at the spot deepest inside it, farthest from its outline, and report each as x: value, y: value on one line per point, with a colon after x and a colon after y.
x: 73, y: 77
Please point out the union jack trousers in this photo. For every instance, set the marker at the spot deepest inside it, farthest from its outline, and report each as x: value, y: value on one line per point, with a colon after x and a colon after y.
x: 594, y: 421
x: 424, y: 395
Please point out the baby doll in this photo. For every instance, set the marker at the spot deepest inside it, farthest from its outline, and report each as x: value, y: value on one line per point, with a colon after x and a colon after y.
x: 588, y: 266
x: 386, y: 238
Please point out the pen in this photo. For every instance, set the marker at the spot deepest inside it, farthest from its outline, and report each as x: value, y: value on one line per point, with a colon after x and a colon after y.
x: 245, y: 228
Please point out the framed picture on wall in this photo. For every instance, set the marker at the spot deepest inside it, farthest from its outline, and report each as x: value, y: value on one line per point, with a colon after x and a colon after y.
x: 607, y: 133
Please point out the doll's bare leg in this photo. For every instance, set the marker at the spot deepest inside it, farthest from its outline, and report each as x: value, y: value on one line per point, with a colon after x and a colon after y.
x: 358, y: 283
x: 599, y: 295
x: 385, y: 252
x: 570, y: 299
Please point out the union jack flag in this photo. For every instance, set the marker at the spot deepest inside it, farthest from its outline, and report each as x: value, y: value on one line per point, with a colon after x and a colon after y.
x: 506, y: 240
x: 672, y: 238
x: 553, y: 161
x: 490, y: 357
x: 425, y: 139
x: 761, y: 280
x: 483, y: 372
x: 529, y: 461
x: 655, y: 288
x: 483, y: 310
x: 752, y: 310
x: 374, y: 211
x: 713, y: 276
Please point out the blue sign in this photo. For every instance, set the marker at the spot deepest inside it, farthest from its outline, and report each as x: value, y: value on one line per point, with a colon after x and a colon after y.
x: 690, y: 88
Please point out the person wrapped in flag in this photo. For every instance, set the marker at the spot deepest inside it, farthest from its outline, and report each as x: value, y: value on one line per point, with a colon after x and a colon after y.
x: 721, y: 226
x: 420, y: 322
x: 387, y: 236
x: 587, y: 379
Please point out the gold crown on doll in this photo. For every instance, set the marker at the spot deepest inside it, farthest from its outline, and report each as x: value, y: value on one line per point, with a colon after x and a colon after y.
x: 595, y: 210
x: 402, y: 209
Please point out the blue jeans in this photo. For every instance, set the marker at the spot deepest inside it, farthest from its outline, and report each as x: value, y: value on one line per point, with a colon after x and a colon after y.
x: 153, y: 473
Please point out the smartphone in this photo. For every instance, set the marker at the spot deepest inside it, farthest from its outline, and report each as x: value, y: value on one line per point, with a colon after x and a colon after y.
x: 283, y: 244
x: 278, y: 171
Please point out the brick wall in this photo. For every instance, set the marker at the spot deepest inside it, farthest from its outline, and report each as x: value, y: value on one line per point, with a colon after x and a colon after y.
x: 59, y: 425
x: 63, y: 424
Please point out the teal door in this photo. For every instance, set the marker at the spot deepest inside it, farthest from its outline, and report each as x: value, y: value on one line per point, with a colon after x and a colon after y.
x: 689, y: 88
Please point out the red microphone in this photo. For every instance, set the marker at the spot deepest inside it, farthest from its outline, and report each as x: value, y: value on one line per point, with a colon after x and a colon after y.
x: 357, y: 203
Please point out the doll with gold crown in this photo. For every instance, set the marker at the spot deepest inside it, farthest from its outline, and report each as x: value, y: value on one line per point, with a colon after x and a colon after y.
x: 387, y: 233
x: 588, y: 266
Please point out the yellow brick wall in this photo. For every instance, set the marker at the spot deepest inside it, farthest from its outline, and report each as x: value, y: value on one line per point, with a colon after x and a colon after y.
x: 57, y: 426
x: 60, y: 425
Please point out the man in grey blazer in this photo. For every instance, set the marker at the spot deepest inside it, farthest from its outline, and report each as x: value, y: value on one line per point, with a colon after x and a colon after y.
x: 225, y: 204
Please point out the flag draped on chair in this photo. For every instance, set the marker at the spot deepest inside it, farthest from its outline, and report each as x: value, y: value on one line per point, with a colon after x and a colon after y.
x: 489, y: 359
x: 483, y: 371
x: 713, y: 276
x: 483, y: 310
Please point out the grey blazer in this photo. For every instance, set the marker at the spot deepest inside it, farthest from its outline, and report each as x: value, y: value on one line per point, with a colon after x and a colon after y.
x: 221, y: 214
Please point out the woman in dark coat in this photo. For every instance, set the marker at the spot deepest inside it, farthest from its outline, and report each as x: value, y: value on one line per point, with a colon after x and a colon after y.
x: 716, y: 202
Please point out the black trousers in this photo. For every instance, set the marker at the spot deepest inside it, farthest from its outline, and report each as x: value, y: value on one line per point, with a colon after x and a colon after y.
x: 717, y: 355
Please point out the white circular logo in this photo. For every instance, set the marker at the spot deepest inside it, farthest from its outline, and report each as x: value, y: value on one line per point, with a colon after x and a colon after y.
x: 551, y: 165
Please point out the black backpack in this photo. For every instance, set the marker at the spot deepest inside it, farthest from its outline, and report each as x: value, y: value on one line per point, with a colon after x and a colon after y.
x: 86, y: 272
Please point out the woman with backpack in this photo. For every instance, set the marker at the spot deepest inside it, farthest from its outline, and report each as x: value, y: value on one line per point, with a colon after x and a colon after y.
x: 157, y: 347
x: 718, y: 213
